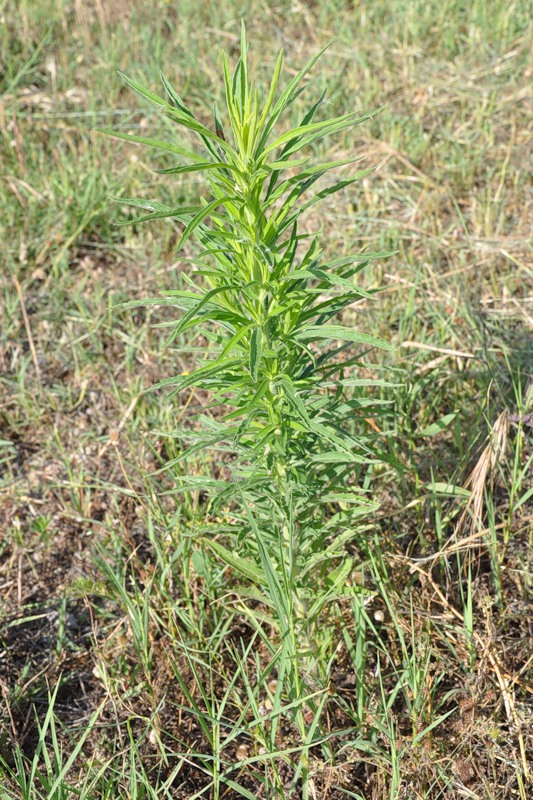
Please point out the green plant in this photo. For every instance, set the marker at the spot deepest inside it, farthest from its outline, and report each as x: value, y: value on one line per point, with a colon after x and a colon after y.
x: 45, y: 774
x: 265, y: 298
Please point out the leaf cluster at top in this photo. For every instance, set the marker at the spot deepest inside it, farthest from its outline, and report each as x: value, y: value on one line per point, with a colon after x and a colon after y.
x: 261, y: 292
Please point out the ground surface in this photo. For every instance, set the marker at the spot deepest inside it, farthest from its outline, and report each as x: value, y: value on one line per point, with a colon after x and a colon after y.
x: 99, y: 609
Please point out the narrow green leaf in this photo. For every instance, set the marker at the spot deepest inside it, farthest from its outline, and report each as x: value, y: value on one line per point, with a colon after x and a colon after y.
x: 149, y: 205
x: 316, y: 332
x: 201, y: 166
x: 448, y: 489
x: 174, y: 96
x: 348, y: 497
x: 244, y: 566
x: 524, y: 498
x: 334, y: 457
x: 200, y: 216
x: 272, y: 90
x: 438, y: 426
x: 154, y: 98
x: 183, y: 324
x: 438, y: 721
x: 338, y: 575
x: 306, y: 134
x: 286, y: 97
x: 280, y: 165
x: 181, y: 212
x: 277, y: 595
x: 256, y: 347
x: 292, y: 395
x: 234, y: 341
x: 188, y: 379
x: 156, y: 143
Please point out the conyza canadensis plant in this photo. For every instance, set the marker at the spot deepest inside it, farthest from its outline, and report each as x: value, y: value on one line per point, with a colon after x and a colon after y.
x: 280, y: 368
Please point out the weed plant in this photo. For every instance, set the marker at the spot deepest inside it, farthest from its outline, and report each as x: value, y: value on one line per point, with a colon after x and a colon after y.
x: 277, y: 361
